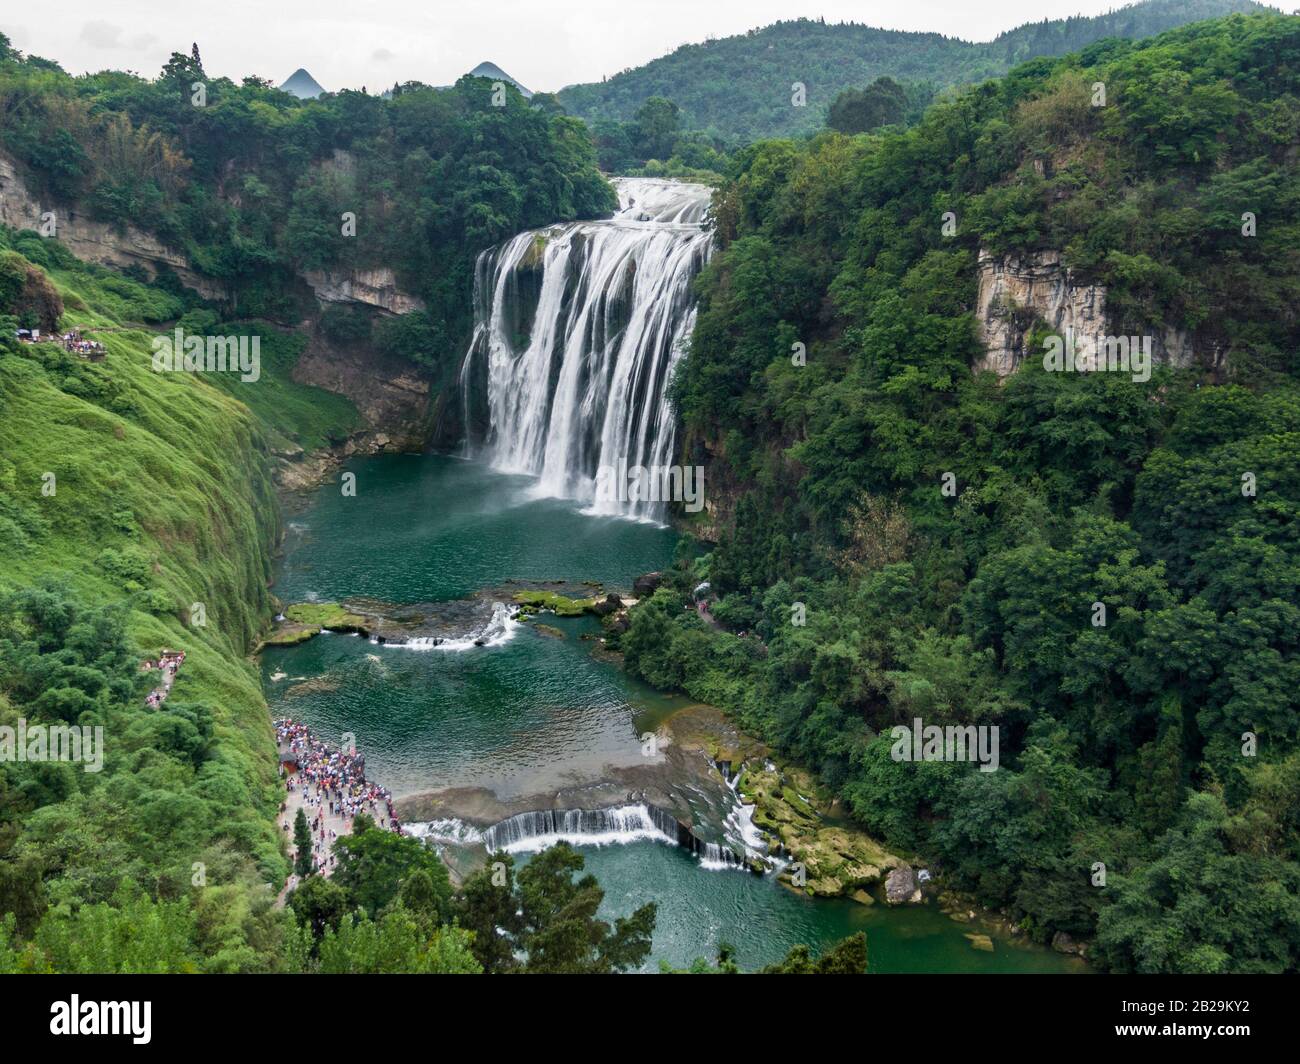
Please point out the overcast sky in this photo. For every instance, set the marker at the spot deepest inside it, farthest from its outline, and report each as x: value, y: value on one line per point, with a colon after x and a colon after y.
x: 543, y: 44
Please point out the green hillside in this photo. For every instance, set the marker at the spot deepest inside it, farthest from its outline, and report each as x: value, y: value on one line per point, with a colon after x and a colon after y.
x: 128, y: 496
x: 740, y: 87
x: 1112, y: 581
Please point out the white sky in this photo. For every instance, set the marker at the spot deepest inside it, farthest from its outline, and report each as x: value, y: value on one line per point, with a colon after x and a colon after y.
x: 544, y: 44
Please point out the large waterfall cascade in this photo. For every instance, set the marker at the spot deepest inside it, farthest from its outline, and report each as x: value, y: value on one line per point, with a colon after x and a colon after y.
x: 577, y: 331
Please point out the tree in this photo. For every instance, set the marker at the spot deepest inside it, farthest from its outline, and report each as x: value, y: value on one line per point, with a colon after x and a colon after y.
x: 319, y: 904
x: 882, y: 103
x: 543, y: 921
x: 846, y: 957
x: 303, y: 863
x: 1200, y: 907
x: 395, y: 944
x: 487, y: 906
x: 656, y: 126
x: 374, y: 864
x: 560, y: 931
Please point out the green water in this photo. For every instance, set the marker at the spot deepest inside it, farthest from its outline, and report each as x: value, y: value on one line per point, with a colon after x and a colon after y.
x: 425, y: 528
x: 518, y: 719
x: 525, y: 716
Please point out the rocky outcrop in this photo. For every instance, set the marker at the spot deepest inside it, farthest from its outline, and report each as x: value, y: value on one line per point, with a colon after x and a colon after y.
x: 647, y: 585
x: 391, y: 395
x: 121, y: 246
x: 1016, y: 292
x: 1064, y: 943
x: 95, y: 241
x: 369, y: 287
x: 901, y: 886
x: 826, y: 859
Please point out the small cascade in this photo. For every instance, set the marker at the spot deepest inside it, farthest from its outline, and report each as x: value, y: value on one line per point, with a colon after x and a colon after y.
x: 534, y: 831
x: 578, y: 329
x: 499, y: 629
x: 445, y: 830
x: 644, y: 821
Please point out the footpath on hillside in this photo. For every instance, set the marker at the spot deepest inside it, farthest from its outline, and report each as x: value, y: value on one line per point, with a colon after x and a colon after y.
x: 167, y: 665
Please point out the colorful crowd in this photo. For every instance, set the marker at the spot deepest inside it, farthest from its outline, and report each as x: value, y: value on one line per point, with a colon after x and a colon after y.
x: 330, y: 786
x: 72, y: 341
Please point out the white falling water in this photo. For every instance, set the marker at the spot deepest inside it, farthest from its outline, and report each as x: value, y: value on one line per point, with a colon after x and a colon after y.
x: 578, y: 329
x: 496, y: 632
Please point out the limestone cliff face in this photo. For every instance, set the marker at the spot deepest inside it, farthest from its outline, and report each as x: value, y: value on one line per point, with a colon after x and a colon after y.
x: 126, y: 245
x: 368, y: 287
x: 394, y: 399
x: 94, y: 241
x: 392, y: 396
x: 1016, y: 291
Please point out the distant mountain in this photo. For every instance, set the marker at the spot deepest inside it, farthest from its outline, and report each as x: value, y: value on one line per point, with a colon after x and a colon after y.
x: 302, y: 85
x: 495, y: 73
x: 740, y: 86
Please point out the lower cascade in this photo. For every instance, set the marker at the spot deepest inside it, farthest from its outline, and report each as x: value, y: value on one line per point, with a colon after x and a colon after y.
x: 534, y: 831
x: 577, y: 331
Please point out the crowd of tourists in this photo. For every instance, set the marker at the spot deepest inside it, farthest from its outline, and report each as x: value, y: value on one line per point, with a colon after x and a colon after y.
x: 72, y: 341
x: 168, y: 663
x: 331, y: 779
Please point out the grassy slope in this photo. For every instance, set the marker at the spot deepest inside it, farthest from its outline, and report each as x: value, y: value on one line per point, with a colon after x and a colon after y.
x: 174, y: 470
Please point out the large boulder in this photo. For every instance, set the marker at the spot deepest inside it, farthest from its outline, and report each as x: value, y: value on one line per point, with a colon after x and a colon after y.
x: 611, y: 603
x: 1063, y: 943
x: 901, y: 887
x: 645, y: 586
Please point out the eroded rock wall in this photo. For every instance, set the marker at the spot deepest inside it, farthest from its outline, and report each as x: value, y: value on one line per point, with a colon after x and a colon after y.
x: 1017, y: 291
x: 95, y: 241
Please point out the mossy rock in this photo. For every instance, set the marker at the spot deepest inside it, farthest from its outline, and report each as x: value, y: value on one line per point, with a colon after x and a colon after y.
x: 326, y: 615
x: 291, y: 636
x: 836, y: 860
x: 797, y: 803
x: 560, y: 605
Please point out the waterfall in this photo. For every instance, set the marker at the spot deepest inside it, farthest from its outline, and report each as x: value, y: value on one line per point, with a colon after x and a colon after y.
x: 535, y: 831
x: 499, y: 629
x: 577, y: 331
x: 585, y: 827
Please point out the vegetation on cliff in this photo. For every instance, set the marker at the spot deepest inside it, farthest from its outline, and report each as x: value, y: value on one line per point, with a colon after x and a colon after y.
x: 136, y: 514
x: 256, y: 186
x: 857, y: 594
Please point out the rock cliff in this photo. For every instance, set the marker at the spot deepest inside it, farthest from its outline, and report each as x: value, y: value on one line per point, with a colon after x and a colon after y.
x: 375, y: 287
x: 95, y: 241
x: 1017, y: 291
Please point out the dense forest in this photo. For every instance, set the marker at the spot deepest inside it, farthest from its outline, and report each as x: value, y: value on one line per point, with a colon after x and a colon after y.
x: 739, y: 88
x: 253, y: 183
x: 1161, y: 743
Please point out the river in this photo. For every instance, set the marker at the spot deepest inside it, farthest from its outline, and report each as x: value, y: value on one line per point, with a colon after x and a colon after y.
x: 540, y: 709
